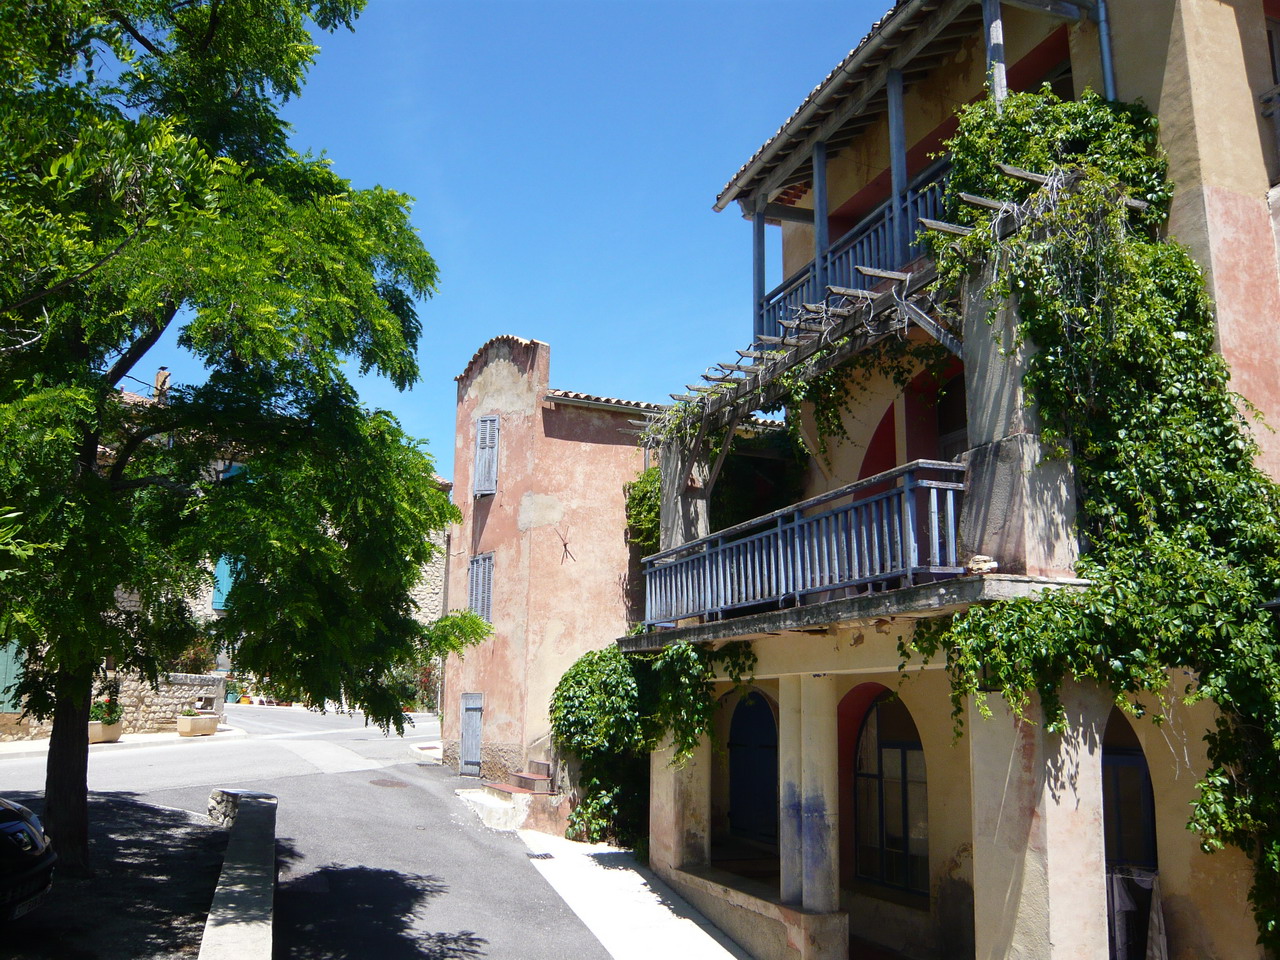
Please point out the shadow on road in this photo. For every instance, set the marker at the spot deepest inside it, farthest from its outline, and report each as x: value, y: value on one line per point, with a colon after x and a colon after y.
x: 156, y: 869
x: 353, y: 913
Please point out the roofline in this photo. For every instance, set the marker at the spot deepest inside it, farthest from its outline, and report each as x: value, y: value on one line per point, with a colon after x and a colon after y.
x: 888, y: 25
x: 614, y: 406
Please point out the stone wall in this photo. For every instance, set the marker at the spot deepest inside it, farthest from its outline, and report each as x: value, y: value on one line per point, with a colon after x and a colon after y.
x: 156, y: 711
x: 145, y: 710
x: 429, y: 593
x: 14, y: 727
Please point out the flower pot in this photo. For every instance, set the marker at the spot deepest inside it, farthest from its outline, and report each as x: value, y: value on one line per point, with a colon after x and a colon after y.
x: 202, y: 725
x: 111, y: 731
x: 233, y: 698
x: 245, y: 698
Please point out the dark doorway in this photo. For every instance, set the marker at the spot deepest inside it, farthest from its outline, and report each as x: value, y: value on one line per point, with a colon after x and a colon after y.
x: 753, y: 771
x: 1129, y: 825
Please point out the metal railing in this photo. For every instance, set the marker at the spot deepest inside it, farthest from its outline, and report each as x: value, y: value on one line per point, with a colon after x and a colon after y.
x: 870, y: 244
x: 882, y: 533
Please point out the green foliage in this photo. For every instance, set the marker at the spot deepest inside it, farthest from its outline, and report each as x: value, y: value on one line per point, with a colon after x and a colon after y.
x: 108, y: 708
x: 1182, y: 529
x: 644, y: 510
x: 148, y: 189
x: 611, y: 709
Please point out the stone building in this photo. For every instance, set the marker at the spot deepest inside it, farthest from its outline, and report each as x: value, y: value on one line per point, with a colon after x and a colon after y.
x: 843, y: 820
x: 542, y: 550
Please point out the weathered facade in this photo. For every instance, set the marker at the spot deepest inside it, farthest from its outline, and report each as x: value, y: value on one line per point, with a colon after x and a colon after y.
x: 542, y: 550
x: 841, y: 821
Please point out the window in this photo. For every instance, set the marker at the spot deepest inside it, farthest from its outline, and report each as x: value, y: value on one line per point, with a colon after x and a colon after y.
x: 480, y: 586
x: 486, y: 475
x: 222, y: 579
x: 890, y: 800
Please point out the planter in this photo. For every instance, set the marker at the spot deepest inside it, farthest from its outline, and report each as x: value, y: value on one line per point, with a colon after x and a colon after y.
x: 245, y: 698
x: 203, y: 725
x: 233, y: 698
x: 100, y: 732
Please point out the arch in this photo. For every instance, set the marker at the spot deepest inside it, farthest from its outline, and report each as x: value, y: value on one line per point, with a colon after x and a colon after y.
x: 753, y: 770
x: 1129, y: 833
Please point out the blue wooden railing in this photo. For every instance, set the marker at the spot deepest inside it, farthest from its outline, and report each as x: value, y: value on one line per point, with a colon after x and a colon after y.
x: 870, y: 244
x: 885, y: 532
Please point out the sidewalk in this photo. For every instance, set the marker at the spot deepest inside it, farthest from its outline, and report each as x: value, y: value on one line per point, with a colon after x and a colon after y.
x: 633, y: 914
x: 19, y: 749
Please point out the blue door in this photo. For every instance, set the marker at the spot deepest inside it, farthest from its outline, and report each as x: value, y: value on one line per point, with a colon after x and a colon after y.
x: 753, y: 771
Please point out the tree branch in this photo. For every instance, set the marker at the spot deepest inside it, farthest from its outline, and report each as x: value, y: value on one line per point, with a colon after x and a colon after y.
x: 130, y: 447
x: 213, y: 24
x: 79, y: 276
x: 138, y: 349
x: 130, y: 29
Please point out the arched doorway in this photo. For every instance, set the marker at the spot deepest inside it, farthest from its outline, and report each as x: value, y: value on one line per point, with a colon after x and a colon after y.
x: 1129, y: 828
x: 890, y: 799
x: 753, y: 771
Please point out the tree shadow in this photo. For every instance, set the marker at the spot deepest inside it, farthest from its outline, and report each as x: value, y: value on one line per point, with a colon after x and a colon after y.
x: 341, y: 912
x: 155, y: 873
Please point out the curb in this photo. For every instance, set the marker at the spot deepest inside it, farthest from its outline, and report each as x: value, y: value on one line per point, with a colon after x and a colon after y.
x: 239, y: 923
x: 430, y: 754
x: 40, y: 747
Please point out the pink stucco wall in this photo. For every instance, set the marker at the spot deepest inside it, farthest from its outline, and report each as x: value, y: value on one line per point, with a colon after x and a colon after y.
x: 557, y: 530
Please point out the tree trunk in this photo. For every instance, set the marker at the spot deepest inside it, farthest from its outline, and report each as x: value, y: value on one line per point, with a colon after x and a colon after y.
x: 66, y: 784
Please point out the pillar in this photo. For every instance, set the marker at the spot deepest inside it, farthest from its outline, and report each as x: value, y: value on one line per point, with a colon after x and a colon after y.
x: 820, y: 796
x: 679, y: 809
x: 1039, y: 861
x: 790, y: 786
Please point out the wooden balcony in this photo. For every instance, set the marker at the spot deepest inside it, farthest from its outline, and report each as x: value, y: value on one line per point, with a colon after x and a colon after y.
x: 893, y: 530
x: 882, y: 241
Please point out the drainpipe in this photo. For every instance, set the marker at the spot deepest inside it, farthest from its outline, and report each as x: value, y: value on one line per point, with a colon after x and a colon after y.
x: 1104, y: 44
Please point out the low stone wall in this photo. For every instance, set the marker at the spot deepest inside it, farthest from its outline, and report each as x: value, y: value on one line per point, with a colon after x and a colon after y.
x: 156, y: 711
x: 497, y: 760
x: 14, y: 727
x: 240, y: 917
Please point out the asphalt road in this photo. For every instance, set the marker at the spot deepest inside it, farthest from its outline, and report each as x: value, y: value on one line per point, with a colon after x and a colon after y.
x: 378, y: 858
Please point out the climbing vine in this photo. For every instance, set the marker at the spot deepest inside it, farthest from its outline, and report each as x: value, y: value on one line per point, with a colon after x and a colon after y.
x: 1180, y: 529
x: 611, y: 709
x: 644, y: 511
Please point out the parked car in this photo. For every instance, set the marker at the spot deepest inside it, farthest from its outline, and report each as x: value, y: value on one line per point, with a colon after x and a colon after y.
x: 26, y: 861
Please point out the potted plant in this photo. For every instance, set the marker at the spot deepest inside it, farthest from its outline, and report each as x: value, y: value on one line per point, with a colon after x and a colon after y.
x: 233, y: 690
x: 105, y: 716
x: 192, y: 723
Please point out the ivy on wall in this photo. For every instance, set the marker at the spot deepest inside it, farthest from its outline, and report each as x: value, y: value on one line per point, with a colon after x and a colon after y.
x: 1180, y: 530
x: 611, y: 709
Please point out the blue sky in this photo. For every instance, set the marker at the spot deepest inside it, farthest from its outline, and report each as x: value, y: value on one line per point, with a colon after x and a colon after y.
x: 564, y: 157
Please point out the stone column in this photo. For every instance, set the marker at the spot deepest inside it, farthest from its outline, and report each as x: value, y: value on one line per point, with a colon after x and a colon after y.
x: 1039, y: 863
x: 790, y: 788
x: 679, y: 809
x: 820, y: 797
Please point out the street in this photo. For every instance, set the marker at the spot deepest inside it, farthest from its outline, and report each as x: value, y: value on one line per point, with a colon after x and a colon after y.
x: 378, y: 858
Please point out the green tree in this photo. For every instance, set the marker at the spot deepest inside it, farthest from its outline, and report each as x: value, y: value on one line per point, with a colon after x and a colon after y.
x: 147, y: 184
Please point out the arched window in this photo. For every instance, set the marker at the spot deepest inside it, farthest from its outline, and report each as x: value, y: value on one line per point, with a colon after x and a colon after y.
x: 891, y: 800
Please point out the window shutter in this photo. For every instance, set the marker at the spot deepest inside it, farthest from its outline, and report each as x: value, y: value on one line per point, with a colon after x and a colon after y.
x: 486, y: 474
x: 480, y: 586
x: 9, y: 703
x: 221, y: 582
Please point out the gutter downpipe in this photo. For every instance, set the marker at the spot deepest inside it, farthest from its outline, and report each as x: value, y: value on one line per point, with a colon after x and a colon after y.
x: 1104, y: 45
x: 854, y: 63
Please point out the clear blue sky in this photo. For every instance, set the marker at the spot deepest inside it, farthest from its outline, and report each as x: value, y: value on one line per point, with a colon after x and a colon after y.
x: 564, y: 157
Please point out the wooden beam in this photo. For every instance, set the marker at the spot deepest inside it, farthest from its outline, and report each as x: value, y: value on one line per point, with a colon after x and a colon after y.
x: 737, y: 366
x: 724, y: 449
x: 856, y: 103
x: 801, y: 325
x: 850, y: 292
x: 782, y: 211
x: 941, y: 227
x: 1001, y: 205
x: 883, y: 274
x: 1018, y: 173
x: 933, y: 328
x: 754, y: 355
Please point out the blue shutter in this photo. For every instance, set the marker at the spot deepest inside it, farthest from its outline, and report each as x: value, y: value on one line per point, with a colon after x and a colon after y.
x: 221, y: 583
x: 486, y: 474
x: 480, y: 586
x: 9, y: 703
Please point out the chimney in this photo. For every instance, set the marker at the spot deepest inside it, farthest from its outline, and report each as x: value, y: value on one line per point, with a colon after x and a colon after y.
x: 161, y: 392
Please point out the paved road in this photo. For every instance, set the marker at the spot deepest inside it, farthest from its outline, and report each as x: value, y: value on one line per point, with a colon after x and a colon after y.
x: 379, y: 859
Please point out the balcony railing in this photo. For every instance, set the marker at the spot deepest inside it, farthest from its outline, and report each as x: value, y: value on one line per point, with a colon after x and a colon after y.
x: 882, y: 533
x: 869, y: 244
